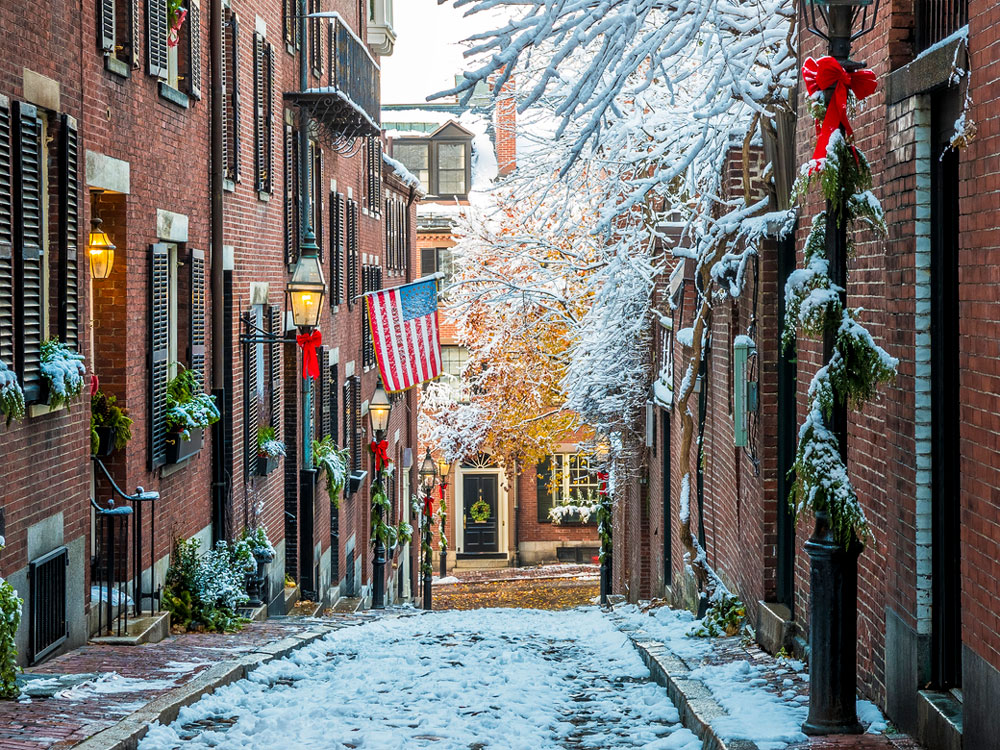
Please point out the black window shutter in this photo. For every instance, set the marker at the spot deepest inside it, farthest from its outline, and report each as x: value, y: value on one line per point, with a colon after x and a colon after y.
x: 193, y: 23
x: 260, y: 158
x: 290, y: 188
x: 352, y: 253
x: 197, y: 316
x: 356, y: 416
x: 317, y: 193
x: 251, y: 408
x: 227, y: 75
x: 159, y: 338
x: 269, y: 119
x: 231, y: 109
x: 69, y: 232
x: 275, y: 370
x: 334, y: 392
x: 134, y: 53
x: 6, y: 239
x: 542, y: 480
x: 156, y: 37
x: 323, y: 394
x: 106, y: 27
x: 29, y: 297
x: 336, y: 248
x: 346, y: 406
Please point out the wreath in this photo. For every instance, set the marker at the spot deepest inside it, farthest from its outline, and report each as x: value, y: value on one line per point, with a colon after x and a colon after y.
x: 480, y: 511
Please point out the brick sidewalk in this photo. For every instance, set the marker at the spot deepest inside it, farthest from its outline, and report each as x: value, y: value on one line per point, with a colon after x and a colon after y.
x: 95, y: 686
x: 539, y: 587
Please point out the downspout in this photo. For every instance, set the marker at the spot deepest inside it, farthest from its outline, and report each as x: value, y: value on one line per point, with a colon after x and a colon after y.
x: 220, y: 345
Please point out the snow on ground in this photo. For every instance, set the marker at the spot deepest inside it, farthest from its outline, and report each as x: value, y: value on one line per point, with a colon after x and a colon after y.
x: 485, y: 678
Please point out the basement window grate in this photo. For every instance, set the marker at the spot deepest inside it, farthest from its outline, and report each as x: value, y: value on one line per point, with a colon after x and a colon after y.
x: 49, y: 627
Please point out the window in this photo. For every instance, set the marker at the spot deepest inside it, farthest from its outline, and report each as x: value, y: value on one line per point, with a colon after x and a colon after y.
x: 397, y: 244
x: 231, y: 93
x: 175, y: 57
x: 352, y: 421
x: 263, y: 123
x: 451, y: 169
x: 118, y: 34
x: 415, y: 157
x: 438, y: 259
x: 453, y: 360
x: 565, y: 477
x: 316, y: 193
x: 290, y: 11
x: 371, y: 277
x: 39, y: 238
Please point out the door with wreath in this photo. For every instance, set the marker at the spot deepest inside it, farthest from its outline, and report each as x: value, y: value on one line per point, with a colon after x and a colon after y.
x: 479, y: 513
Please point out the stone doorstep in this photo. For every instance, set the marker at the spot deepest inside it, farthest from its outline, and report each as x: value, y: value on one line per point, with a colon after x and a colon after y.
x: 126, y: 734
x: 149, y: 629
x: 693, y: 700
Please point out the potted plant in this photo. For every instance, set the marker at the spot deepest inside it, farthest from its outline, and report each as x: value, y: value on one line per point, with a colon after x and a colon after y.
x: 332, y: 461
x: 269, y: 450
x: 110, y: 426
x: 189, y: 412
x: 11, y: 395
x: 263, y: 552
x: 62, y: 371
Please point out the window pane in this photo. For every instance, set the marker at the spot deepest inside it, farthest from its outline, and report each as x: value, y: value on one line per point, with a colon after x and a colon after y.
x: 446, y: 264
x: 451, y: 182
x: 451, y: 156
x: 453, y: 359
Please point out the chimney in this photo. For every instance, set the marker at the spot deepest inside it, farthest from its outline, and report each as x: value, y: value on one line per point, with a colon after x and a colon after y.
x: 505, y: 126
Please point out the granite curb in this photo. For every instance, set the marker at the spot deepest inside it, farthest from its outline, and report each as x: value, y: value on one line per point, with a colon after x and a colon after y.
x: 126, y: 734
x: 692, y: 699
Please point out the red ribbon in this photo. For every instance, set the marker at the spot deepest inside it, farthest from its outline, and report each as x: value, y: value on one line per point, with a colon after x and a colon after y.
x: 820, y: 75
x: 602, y: 483
x: 428, y: 505
x: 310, y: 363
x: 442, y: 487
x: 380, y: 449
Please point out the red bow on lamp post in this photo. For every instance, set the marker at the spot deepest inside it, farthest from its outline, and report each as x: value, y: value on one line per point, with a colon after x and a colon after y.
x: 820, y: 75
x: 441, y: 488
x: 428, y: 505
x: 309, y: 342
x: 380, y: 450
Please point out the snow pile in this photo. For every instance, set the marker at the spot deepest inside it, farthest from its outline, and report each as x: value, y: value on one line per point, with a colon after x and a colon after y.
x: 520, y: 679
x: 63, y: 369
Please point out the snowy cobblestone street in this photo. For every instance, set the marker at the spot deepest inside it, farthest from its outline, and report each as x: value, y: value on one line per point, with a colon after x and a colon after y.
x: 478, y: 679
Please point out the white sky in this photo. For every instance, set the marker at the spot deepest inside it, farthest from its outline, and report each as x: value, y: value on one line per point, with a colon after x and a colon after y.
x: 428, y: 53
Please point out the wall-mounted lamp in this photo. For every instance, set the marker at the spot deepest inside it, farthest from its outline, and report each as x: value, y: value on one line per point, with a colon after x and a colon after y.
x: 101, y: 250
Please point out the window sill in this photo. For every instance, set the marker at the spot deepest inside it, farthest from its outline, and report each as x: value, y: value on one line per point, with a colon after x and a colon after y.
x: 262, y: 196
x: 172, y: 95
x: 113, y: 65
x: 229, y: 186
x: 40, y: 410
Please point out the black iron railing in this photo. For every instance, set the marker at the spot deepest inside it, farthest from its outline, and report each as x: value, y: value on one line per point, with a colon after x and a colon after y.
x: 49, y: 627
x: 110, y: 572
x: 938, y: 19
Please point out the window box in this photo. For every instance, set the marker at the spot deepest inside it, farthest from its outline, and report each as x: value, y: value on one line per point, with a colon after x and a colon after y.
x: 179, y: 449
x: 354, y: 481
x: 265, y: 465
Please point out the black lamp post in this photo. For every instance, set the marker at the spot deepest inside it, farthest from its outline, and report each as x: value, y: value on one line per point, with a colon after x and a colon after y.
x: 602, y: 492
x: 833, y: 592
x: 378, y: 412
x: 444, y: 468
x: 428, y: 475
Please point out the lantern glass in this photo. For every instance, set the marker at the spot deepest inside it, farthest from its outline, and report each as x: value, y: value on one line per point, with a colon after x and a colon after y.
x: 306, y: 289
x: 444, y: 468
x: 101, y: 251
x: 378, y: 409
x: 428, y: 471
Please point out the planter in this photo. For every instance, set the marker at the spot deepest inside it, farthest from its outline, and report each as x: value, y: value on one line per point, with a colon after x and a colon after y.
x: 179, y: 449
x: 265, y: 465
x: 257, y: 582
x: 354, y: 481
x: 106, y: 438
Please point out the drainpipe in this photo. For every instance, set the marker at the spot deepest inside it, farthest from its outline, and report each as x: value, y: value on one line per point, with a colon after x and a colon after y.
x: 220, y: 346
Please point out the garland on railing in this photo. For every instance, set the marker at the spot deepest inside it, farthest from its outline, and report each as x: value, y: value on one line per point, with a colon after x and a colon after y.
x: 813, y: 305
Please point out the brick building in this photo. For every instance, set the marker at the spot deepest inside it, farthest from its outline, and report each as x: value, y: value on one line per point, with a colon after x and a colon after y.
x: 104, y: 116
x: 456, y: 151
x: 922, y: 457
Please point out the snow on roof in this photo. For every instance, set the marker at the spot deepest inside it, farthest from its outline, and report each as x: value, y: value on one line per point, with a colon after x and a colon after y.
x: 405, y: 175
x: 436, y: 117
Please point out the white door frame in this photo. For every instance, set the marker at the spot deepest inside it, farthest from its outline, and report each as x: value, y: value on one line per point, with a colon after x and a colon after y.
x: 503, y: 512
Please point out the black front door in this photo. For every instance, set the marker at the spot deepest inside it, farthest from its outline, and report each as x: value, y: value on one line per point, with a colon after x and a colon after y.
x: 479, y: 513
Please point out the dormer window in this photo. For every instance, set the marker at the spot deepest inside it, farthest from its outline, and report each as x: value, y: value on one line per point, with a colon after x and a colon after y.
x: 451, y: 161
x: 441, y: 161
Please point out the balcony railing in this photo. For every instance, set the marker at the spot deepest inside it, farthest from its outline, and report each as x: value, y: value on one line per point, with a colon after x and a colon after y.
x: 938, y: 19
x: 348, y: 105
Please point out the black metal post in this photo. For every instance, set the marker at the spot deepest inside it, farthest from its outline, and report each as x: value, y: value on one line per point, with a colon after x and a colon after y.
x: 427, y: 556
x: 605, y: 580
x: 378, y: 567
x: 444, y: 547
x: 833, y: 592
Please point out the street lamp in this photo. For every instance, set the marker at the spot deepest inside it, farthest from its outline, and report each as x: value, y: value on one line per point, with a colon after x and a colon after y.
x: 428, y: 475
x: 833, y: 592
x: 444, y: 468
x: 378, y: 413
x: 306, y: 289
x: 100, y: 249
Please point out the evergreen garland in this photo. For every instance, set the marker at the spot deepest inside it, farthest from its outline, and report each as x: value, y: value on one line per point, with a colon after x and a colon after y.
x: 10, y: 618
x: 857, y: 365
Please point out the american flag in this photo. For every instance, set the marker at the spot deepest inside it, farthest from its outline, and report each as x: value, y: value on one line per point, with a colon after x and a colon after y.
x: 404, y: 326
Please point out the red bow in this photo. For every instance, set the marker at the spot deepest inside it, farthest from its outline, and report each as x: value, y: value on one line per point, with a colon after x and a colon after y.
x: 820, y: 75
x: 443, y: 486
x: 381, y: 455
x: 428, y: 505
x: 602, y: 483
x: 309, y: 342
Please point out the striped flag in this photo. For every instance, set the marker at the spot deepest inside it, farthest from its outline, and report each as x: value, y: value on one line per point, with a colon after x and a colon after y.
x: 404, y: 326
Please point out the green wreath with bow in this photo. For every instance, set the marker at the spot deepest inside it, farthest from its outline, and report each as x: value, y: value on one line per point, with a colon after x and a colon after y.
x: 480, y: 511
